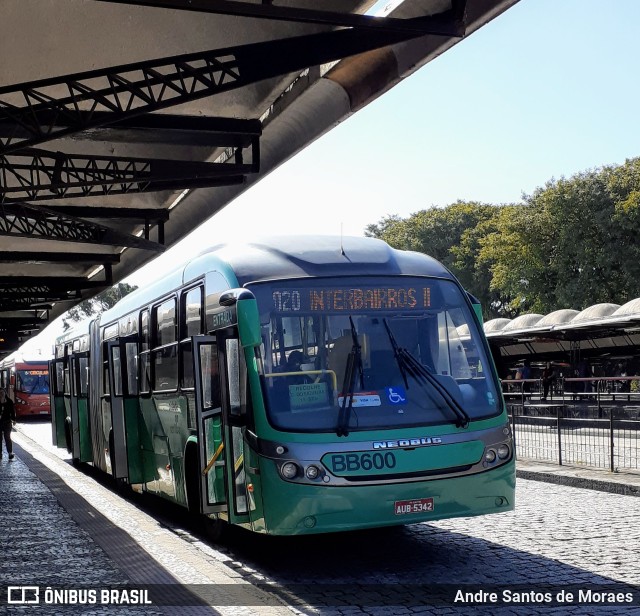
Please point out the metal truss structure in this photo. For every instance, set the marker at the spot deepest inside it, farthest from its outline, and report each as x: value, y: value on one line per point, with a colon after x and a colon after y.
x: 130, y: 90
x: 84, y: 124
x: 39, y: 175
x: 25, y: 219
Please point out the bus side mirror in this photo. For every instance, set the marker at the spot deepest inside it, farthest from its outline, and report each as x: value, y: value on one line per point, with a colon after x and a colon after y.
x: 249, y: 323
x: 233, y: 296
x: 477, y: 307
x: 246, y: 313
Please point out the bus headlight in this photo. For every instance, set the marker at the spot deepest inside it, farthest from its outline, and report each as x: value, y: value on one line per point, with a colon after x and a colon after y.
x: 503, y: 451
x: 289, y: 470
x: 312, y: 472
x: 490, y: 455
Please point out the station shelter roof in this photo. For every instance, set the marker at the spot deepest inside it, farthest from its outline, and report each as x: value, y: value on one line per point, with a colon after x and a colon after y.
x: 125, y: 124
x: 604, y: 328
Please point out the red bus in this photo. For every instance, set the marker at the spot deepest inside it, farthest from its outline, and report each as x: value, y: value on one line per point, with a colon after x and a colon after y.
x: 27, y: 383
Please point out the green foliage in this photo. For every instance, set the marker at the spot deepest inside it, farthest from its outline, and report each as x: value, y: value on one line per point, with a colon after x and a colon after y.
x: 453, y: 236
x: 571, y: 244
x: 101, y: 302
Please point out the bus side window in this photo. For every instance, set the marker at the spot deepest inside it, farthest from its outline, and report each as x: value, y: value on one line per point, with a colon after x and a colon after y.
x: 106, y: 383
x: 236, y: 375
x: 144, y: 364
x: 165, y: 353
x: 210, y: 376
x: 83, y: 376
x: 191, y: 322
x: 59, y: 378
x: 131, y: 353
x: 117, y: 370
x: 66, y: 383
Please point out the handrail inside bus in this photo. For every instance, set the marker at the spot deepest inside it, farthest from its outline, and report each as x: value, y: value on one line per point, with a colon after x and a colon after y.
x: 215, y: 456
x: 331, y: 373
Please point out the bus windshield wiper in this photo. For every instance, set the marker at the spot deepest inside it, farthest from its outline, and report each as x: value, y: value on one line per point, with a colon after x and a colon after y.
x: 409, y: 365
x: 354, y: 364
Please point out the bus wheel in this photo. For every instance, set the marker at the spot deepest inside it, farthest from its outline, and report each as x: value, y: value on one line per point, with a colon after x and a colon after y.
x: 112, y: 458
x: 121, y: 484
x: 216, y: 530
x: 69, y: 441
x: 67, y: 435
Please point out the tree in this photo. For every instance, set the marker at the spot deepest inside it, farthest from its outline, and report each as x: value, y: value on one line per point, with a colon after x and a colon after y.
x: 571, y: 244
x: 517, y: 252
x: 452, y: 235
x: 475, y: 260
x: 101, y: 302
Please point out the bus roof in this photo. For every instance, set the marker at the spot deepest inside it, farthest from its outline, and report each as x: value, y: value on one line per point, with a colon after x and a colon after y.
x: 285, y: 257
x: 316, y: 256
x: 33, y: 358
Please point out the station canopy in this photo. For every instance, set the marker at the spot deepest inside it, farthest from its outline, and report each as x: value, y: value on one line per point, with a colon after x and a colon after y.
x: 598, y: 319
x: 604, y: 327
x: 126, y: 125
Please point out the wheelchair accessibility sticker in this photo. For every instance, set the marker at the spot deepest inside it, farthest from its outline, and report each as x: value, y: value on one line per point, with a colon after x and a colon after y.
x: 396, y: 395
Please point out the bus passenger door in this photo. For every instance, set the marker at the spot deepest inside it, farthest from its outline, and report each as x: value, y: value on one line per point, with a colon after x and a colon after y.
x: 71, y: 401
x: 234, y: 388
x: 58, y: 412
x: 79, y: 404
x: 133, y: 429
x: 117, y: 438
x: 210, y: 428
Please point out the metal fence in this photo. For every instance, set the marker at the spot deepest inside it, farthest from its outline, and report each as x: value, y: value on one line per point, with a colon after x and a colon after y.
x: 597, y: 428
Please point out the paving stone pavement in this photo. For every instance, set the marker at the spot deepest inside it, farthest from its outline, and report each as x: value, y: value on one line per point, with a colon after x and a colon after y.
x: 40, y: 545
x: 86, y: 536
x: 60, y: 535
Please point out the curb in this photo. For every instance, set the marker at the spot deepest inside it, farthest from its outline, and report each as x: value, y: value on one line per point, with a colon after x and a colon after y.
x: 601, y: 485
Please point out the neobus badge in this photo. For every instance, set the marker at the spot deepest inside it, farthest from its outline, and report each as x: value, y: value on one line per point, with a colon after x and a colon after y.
x: 408, y: 442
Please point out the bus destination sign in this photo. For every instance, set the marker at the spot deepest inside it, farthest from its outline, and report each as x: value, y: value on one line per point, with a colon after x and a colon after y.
x: 347, y: 299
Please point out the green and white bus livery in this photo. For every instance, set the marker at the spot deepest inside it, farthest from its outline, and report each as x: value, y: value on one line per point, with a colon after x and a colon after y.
x: 292, y: 386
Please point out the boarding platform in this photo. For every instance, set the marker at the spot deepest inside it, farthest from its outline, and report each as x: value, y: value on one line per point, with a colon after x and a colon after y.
x: 71, y: 533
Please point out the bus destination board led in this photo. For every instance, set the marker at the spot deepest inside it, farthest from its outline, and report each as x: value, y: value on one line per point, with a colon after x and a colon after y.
x: 347, y: 299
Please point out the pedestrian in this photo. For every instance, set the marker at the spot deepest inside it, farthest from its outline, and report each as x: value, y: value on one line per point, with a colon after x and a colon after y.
x: 547, y: 380
x: 526, y: 374
x: 7, y: 421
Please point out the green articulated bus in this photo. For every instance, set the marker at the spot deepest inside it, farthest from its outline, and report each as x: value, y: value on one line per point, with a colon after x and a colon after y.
x: 293, y: 386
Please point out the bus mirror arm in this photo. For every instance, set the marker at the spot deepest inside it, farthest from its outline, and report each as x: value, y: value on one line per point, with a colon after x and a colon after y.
x: 233, y: 296
x: 237, y: 421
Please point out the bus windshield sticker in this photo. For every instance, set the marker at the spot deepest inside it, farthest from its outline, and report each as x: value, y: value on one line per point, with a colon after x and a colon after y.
x: 395, y: 395
x: 363, y: 398
x: 308, y: 395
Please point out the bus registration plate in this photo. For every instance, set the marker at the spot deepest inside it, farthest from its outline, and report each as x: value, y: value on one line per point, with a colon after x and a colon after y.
x: 417, y: 505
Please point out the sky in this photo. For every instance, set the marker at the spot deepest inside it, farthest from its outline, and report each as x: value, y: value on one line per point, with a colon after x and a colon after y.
x: 546, y: 90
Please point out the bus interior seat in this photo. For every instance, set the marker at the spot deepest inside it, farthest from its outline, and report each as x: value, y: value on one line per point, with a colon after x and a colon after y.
x: 338, y: 355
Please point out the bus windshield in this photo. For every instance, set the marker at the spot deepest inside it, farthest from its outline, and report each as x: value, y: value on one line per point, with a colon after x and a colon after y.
x: 32, y: 381
x: 367, y: 344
